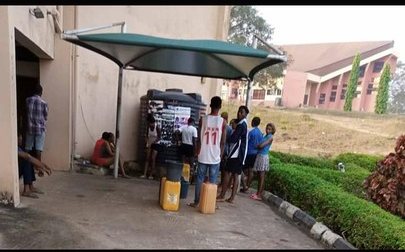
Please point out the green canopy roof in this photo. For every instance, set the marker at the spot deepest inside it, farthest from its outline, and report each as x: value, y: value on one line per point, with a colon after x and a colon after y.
x: 205, y: 58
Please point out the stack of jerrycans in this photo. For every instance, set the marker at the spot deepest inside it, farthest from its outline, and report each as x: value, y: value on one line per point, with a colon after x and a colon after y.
x: 169, y: 192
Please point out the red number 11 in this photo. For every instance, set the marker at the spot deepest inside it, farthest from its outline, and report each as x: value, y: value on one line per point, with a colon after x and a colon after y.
x: 214, y: 136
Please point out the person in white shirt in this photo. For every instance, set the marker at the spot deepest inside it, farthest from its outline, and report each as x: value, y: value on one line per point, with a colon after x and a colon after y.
x: 188, y: 146
x: 210, y: 146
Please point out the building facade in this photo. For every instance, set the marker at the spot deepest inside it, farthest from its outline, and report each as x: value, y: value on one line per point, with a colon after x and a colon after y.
x: 80, y: 86
x: 319, y: 74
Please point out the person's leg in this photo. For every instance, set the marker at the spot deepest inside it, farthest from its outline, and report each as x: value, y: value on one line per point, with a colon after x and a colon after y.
x: 201, y: 171
x: 260, y: 185
x: 235, y: 177
x: 213, y: 173
x: 225, y: 186
x: 153, y: 163
x: 26, y: 171
x: 122, y: 170
x: 148, y: 155
x: 39, y: 141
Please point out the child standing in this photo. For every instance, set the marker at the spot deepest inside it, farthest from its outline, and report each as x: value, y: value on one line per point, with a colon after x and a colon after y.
x: 262, y: 159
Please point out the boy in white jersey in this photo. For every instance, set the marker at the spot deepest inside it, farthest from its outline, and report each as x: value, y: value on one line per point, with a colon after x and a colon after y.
x: 210, y: 146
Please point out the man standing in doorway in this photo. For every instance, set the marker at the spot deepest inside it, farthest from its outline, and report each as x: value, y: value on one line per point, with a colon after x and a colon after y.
x: 37, y: 112
x: 211, y: 143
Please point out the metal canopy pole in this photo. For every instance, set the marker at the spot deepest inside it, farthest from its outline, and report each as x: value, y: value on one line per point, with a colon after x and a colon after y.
x: 117, y: 123
x: 250, y: 82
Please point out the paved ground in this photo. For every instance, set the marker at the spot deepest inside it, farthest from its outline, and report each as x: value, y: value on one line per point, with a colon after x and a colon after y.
x: 92, y: 211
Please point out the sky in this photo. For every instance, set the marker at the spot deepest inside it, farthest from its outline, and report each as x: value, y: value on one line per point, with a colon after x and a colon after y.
x: 322, y: 24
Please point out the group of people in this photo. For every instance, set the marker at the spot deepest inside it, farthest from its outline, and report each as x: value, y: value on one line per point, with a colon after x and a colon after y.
x: 232, y: 149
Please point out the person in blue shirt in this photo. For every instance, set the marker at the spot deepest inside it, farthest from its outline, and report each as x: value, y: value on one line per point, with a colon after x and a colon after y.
x: 254, y: 136
x: 262, y: 159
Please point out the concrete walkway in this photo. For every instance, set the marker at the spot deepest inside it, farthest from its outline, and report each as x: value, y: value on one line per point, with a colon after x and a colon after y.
x: 100, y: 212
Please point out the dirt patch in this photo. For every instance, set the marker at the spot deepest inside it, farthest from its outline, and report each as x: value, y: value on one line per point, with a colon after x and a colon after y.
x: 323, y: 133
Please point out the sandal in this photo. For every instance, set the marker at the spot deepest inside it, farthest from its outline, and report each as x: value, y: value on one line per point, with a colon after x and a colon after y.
x: 220, y: 199
x: 150, y: 178
x: 38, y: 191
x: 245, y: 189
x: 229, y: 200
x: 192, y: 204
x: 142, y: 177
x: 255, y: 197
x: 30, y: 195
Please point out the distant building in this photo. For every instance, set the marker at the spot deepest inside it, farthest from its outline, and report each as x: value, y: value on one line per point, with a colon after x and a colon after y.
x: 319, y: 74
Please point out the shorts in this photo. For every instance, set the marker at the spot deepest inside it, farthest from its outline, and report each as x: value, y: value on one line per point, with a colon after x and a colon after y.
x: 187, y: 150
x: 234, y: 165
x: 35, y: 142
x: 155, y: 147
x: 250, y: 161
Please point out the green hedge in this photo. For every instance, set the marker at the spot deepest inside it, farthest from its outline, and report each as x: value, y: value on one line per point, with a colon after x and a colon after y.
x: 351, y: 182
x: 307, y: 161
x: 366, y: 161
x: 364, y: 224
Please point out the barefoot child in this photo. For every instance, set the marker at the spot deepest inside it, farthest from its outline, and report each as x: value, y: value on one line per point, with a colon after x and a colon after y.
x: 262, y: 159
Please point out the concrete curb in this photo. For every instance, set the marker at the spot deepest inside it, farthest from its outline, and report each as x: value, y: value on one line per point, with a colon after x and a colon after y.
x: 316, y: 229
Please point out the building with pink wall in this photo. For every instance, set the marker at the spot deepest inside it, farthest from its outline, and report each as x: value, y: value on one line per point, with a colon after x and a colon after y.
x: 319, y: 73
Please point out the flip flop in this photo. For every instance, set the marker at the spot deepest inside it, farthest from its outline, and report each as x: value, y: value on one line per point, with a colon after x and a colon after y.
x: 255, y: 197
x: 220, y: 199
x: 30, y: 195
x: 229, y: 200
x: 192, y: 204
x: 38, y: 191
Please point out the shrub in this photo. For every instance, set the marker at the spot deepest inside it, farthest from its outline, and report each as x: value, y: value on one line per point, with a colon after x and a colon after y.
x: 364, y: 224
x: 366, y: 161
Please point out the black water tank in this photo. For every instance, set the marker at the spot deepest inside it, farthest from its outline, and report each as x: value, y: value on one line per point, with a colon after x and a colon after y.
x: 171, y: 108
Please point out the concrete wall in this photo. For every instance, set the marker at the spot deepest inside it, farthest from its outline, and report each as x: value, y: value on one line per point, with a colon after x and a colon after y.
x: 97, y: 76
x: 80, y: 86
x: 294, y: 88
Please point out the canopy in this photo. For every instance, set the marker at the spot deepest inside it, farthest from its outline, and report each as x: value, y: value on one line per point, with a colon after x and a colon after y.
x: 205, y: 58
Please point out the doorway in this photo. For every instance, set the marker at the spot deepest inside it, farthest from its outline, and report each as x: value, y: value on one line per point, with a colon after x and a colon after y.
x: 27, y: 76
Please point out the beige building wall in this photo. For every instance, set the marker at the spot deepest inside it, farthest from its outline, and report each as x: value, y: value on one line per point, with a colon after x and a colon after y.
x: 98, y: 76
x: 80, y: 86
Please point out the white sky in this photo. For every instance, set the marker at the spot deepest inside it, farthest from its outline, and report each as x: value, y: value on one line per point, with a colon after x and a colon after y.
x: 319, y: 24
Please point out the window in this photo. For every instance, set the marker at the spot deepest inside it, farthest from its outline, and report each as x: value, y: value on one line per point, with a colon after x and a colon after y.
x: 362, y: 69
x: 378, y: 66
x: 370, y: 88
x: 334, y: 87
x: 234, y: 92
x: 259, y: 94
x: 322, y: 98
x: 343, y: 94
x: 278, y: 91
x: 332, y: 97
x: 344, y: 85
x: 269, y: 92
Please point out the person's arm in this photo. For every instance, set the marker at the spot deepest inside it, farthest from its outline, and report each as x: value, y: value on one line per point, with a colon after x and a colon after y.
x: 236, y: 134
x: 38, y: 164
x: 223, y: 138
x: 264, y: 143
x: 159, y: 134
x: 199, y: 136
x: 108, y: 148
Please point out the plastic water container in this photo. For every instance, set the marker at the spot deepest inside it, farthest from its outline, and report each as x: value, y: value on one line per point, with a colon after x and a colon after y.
x: 174, y: 170
x: 184, y: 188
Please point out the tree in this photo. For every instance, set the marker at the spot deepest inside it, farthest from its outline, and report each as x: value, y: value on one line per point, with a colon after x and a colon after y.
x: 352, y: 85
x: 396, y: 102
x: 381, y: 104
x: 245, y: 21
